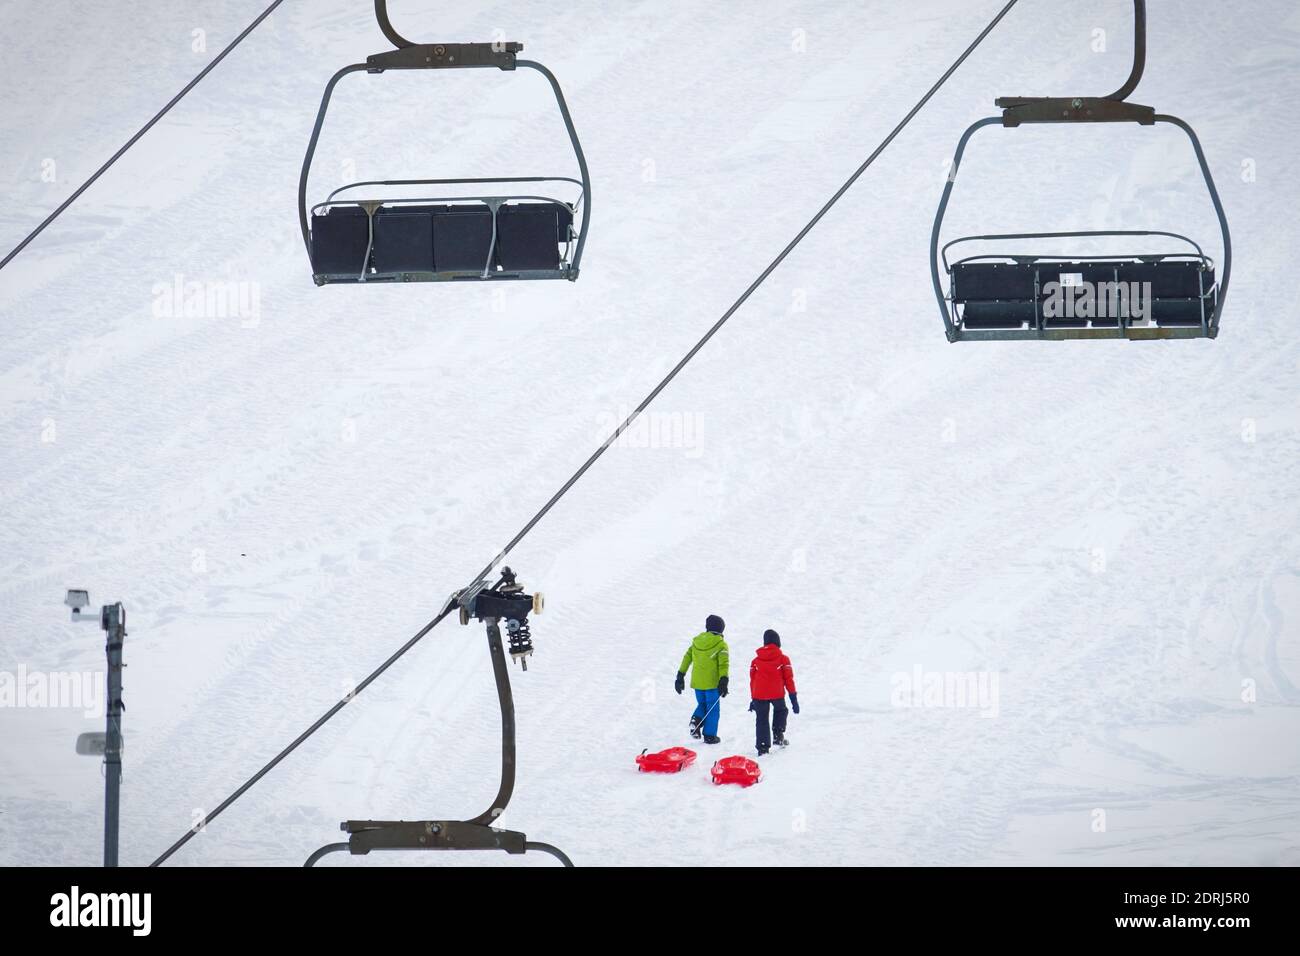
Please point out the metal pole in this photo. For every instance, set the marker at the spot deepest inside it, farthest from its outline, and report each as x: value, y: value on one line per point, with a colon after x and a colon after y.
x: 501, y: 670
x: 114, y: 622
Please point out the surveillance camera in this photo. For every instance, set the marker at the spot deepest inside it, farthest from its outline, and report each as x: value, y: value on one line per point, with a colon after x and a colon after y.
x: 77, y: 599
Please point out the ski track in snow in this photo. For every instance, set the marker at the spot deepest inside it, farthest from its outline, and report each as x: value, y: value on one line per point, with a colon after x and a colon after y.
x: 281, y: 503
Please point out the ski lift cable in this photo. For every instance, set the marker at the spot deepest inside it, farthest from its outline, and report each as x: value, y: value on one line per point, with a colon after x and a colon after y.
x: 622, y: 428
x: 198, y: 828
x: 136, y: 138
x: 753, y: 287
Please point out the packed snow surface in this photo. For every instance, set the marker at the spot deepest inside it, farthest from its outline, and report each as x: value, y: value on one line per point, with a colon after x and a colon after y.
x: 1102, y: 540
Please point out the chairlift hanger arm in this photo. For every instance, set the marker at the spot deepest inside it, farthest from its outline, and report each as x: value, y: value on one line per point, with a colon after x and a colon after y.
x: 1139, y: 52
x: 1017, y: 110
x: 478, y: 833
x: 1089, y: 109
x: 504, y: 601
x: 447, y: 56
x: 410, y: 55
x: 386, y: 25
x: 366, y: 836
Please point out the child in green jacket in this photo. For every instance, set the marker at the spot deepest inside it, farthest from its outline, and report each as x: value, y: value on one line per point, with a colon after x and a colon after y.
x: 708, y: 661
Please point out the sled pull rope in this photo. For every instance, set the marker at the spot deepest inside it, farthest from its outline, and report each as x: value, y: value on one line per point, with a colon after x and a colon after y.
x: 136, y: 138
x: 477, y: 583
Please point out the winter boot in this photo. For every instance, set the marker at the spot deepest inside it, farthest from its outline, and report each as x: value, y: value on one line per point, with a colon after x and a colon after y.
x: 780, y: 740
x: 712, y: 740
x: 764, y: 751
x: 695, y: 730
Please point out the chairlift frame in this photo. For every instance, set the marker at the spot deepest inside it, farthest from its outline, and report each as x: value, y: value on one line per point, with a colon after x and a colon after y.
x: 463, y: 218
x: 1187, y: 313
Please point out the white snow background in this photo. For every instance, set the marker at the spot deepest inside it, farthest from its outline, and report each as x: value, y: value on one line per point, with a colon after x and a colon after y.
x: 281, y: 500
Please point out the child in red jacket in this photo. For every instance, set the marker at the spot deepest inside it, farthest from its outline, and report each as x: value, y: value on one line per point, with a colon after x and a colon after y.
x: 770, y: 678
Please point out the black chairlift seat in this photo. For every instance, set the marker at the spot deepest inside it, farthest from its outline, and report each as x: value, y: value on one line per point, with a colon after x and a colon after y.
x: 1143, y: 295
x: 1166, y: 295
x: 427, y: 240
x: 504, y: 233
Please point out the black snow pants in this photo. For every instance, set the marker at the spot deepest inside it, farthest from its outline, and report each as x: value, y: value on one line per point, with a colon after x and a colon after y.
x: 764, y: 731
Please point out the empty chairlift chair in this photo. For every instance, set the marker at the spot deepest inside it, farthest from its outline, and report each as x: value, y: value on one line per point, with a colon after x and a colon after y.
x: 1151, y: 294
x: 356, y: 236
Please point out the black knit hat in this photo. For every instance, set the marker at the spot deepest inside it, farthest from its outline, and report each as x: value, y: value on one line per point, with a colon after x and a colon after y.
x: 714, y: 624
x: 771, y: 637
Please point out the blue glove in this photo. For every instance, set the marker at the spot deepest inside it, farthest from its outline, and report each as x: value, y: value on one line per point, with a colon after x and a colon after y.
x: 751, y: 705
x: 722, y: 687
x: 794, y: 703
x: 679, y: 685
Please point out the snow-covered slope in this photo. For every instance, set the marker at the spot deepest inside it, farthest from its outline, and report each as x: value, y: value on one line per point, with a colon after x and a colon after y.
x: 281, y: 498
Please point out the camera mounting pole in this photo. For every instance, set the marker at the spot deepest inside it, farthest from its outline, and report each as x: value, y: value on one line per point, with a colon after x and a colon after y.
x: 112, y: 618
x: 503, y: 601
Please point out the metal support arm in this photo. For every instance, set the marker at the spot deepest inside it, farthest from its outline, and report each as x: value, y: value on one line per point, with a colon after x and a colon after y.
x: 1139, y: 52
x: 1091, y: 109
x: 386, y: 25
x: 477, y: 833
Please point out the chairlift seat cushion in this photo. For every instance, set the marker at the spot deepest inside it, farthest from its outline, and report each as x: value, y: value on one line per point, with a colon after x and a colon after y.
x: 404, y: 240
x: 1181, y: 312
x: 529, y: 235
x: 1181, y: 291
x: 462, y: 238
x: 1170, y: 279
x: 993, y: 281
x: 1068, y: 275
x: 998, y: 315
x: 339, y: 239
x: 997, y: 295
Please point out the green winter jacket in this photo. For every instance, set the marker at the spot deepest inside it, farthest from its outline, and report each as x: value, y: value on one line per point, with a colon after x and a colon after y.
x: 707, y: 659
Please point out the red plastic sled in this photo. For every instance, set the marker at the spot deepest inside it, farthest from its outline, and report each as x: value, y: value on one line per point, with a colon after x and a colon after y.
x: 672, y: 760
x: 739, y: 770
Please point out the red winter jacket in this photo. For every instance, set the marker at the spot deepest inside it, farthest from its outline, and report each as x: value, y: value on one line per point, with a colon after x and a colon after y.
x: 770, y: 675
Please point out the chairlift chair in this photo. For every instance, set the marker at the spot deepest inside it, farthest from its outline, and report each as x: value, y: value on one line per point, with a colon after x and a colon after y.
x: 993, y: 296
x: 511, y: 229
